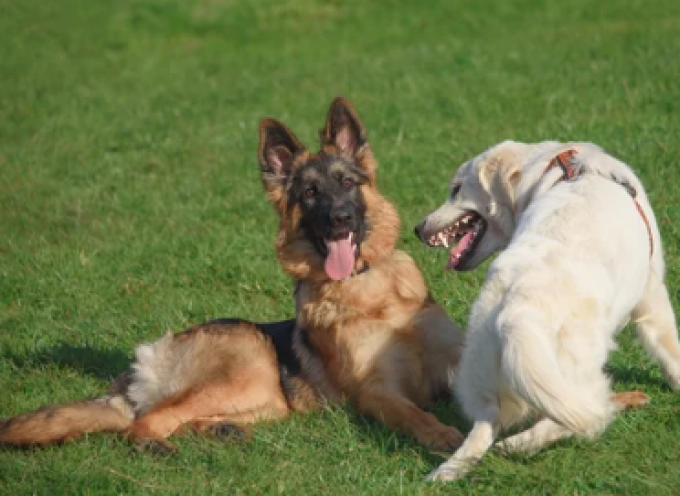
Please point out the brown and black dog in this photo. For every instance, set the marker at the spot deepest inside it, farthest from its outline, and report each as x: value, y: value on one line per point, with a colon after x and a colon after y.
x: 366, y: 327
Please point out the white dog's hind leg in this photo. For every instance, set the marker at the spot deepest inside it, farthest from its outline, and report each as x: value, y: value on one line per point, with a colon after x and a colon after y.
x: 657, y: 330
x: 543, y: 433
x: 478, y: 442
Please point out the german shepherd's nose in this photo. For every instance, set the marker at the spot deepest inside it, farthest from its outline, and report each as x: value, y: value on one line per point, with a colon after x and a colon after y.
x: 341, y: 217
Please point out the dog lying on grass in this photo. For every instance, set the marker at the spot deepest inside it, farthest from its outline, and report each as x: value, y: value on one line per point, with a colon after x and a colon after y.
x: 580, y: 256
x: 366, y: 327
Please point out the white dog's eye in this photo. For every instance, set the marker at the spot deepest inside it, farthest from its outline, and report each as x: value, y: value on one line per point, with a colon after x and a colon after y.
x: 455, y: 188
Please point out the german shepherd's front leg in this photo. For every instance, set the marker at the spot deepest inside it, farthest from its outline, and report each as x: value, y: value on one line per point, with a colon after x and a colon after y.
x: 400, y: 413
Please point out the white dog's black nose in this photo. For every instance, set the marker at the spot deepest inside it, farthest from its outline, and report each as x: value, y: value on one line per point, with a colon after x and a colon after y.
x: 418, y: 229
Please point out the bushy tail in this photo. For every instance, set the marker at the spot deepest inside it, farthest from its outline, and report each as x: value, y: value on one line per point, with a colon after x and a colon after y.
x: 58, y: 423
x: 531, y: 365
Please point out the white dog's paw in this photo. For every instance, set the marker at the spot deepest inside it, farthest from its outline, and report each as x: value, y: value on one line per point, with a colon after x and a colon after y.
x: 446, y: 472
x: 516, y: 447
x: 511, y: 446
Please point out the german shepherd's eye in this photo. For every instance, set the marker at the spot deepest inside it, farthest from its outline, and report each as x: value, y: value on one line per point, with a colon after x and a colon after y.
x: 348, y: 182
x: 310, y: 192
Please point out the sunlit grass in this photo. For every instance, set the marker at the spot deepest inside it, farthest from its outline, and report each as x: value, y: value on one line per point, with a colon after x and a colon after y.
x: 130, y: 203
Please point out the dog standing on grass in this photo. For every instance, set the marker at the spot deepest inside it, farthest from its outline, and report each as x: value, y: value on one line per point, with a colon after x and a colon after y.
x: 366, y: 327
x: 581, y: 255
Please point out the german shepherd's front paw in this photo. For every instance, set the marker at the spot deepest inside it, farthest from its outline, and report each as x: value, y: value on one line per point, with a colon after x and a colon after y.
x: 443, y: 438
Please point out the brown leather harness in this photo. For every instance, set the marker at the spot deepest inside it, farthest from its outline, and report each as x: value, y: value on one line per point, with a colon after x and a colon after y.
x: 573, y: 168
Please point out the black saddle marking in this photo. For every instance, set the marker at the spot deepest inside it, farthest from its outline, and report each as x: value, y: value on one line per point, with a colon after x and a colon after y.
x: 281, y: 335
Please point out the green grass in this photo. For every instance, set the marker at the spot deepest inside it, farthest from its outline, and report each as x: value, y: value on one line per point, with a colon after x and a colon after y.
x: 130, y: 202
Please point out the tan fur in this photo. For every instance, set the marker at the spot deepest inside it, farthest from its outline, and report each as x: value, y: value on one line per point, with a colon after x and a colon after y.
x: 207, y: 375
x: 227, y: 376
x: 64, y: 422
x: 383, y: 344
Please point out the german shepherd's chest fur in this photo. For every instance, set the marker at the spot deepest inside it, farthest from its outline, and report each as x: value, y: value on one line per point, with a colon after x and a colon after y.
x: 360, y: 326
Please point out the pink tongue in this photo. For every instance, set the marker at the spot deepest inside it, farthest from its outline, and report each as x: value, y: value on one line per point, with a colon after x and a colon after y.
x: 458, y: 250
x: 340, y: 259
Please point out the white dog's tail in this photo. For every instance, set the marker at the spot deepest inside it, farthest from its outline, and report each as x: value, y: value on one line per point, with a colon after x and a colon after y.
x: 529, y: 362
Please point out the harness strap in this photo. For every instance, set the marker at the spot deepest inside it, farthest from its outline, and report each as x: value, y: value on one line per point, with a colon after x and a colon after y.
x: 572, y: 168
x: 644, y: 218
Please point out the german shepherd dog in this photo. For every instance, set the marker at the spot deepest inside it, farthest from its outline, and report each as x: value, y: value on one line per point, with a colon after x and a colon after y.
x: 366, y: 327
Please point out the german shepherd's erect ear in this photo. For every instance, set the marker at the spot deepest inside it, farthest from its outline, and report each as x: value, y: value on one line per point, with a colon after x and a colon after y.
x: 278, y: 149
x: 345, y: 135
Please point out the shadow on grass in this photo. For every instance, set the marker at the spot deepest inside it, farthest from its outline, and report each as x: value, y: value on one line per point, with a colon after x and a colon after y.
x: 378, y: 434
x: 102, y: 364
x: 448, y: 412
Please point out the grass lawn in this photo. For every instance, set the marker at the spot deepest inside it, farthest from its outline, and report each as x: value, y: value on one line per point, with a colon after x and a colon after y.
x: 130, y: 202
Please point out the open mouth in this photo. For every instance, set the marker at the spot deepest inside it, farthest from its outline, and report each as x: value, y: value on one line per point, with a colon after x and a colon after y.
x: 461, y: 237
x: 340, y: 254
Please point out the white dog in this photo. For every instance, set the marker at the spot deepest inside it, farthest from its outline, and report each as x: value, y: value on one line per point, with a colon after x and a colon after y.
x: 581, y: 256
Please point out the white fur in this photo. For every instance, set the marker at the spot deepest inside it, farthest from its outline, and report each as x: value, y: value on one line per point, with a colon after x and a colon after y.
x: 166, y: 367
x: 575, y: 267
x: 154, y: 363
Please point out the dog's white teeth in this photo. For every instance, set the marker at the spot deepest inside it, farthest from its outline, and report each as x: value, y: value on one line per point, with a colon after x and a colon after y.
x: 457, y: 255
x: 442, y: 239
x: 350, y: 236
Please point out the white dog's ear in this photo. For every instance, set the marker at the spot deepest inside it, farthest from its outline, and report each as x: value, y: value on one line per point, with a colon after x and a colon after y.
x: 500, y: 176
